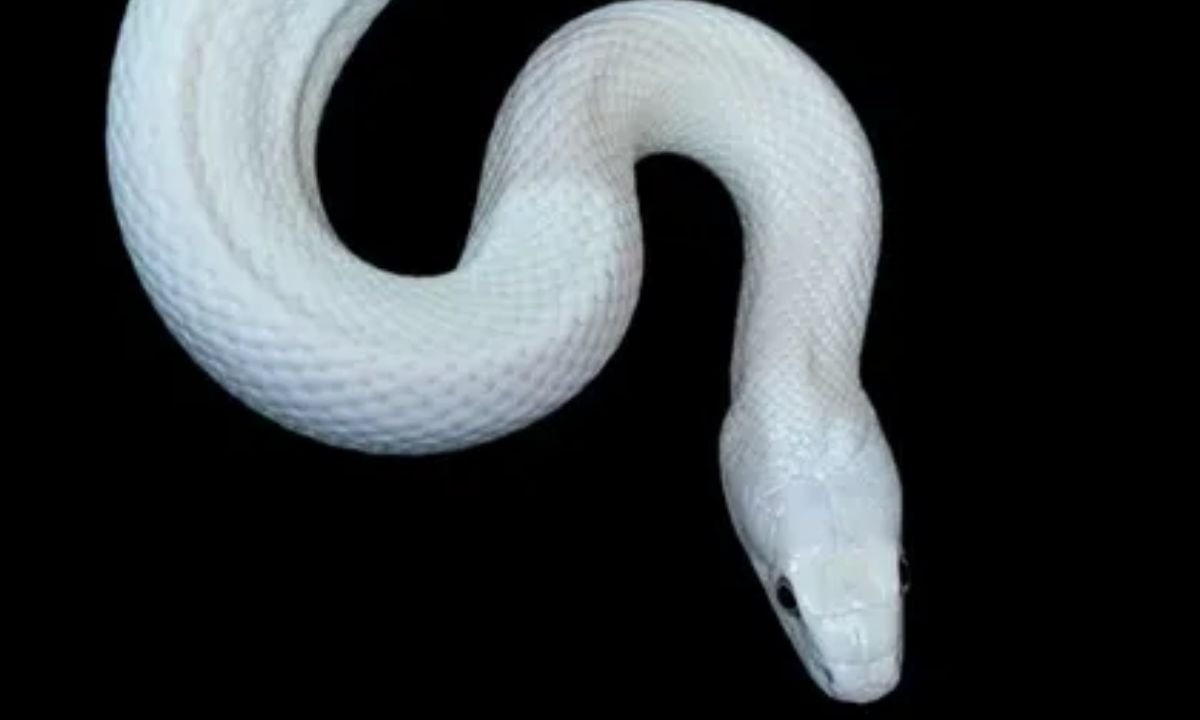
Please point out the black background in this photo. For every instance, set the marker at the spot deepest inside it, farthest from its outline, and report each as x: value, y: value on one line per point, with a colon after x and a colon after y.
x: 591, y: 553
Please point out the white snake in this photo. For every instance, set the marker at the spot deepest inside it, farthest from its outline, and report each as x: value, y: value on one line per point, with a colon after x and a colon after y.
x: 213, y: 117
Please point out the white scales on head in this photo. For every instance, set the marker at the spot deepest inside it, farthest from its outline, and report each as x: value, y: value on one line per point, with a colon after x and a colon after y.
x: 213, y: 118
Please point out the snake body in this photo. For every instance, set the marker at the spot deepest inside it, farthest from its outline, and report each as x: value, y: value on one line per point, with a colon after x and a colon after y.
x: 214, y: 111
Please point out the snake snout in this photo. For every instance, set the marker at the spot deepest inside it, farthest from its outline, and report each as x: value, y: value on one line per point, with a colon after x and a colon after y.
x: 863, y: 682
x: 859, y: 653
x: 858, y: 637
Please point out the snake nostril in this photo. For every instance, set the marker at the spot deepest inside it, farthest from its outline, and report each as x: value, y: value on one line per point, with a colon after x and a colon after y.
x: 828, y: 675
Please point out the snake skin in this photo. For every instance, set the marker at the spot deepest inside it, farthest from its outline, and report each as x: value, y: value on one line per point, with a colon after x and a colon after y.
x: 213, y: 117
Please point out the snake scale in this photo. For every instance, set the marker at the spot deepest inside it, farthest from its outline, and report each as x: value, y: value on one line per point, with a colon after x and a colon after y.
x: 213, y: 117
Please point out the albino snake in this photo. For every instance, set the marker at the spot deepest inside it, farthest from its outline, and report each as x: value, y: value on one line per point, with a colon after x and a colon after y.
x: 213, y: 118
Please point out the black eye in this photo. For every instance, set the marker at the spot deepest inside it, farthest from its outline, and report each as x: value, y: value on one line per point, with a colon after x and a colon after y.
x: 786, y: 598
x: 905, y: 579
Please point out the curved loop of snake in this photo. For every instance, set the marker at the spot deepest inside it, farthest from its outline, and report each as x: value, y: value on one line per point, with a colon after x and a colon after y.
x: 214, y: 111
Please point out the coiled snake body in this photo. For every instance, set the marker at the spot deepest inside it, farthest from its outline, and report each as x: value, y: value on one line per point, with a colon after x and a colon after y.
x: 213, y: 117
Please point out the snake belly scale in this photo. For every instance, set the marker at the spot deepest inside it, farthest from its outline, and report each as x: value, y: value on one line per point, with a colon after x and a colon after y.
x: 213, y: 115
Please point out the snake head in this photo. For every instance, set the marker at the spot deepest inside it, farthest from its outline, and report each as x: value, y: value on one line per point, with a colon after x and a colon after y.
x: 822, y: 530
x: 836, y: 575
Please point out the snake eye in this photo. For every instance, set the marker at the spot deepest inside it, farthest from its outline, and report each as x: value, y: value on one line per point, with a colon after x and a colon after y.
x: 786, y: 598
